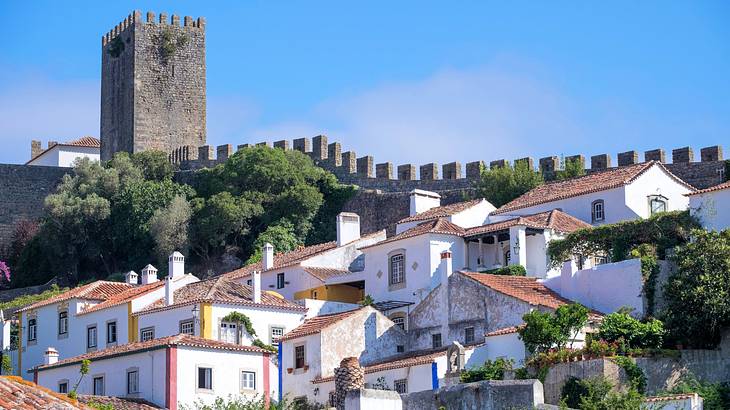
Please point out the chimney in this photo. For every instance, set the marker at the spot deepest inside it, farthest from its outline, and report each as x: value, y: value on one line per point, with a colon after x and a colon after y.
x: 35, y: 148
x: 256, y: 286
x: 52, y: 144
x: 50, y: 356
x: 176, y: 265
x: 169, y: 292
x: 131, y: 277
x: 423, y: 201
x: 267, y: 257
x: 348, y: 228
x: 149, y: 274
x: 446, y: 267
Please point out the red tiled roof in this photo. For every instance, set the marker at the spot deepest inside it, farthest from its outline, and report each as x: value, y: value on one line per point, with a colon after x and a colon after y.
x: 136, y: 347
x: 100, y: 290
x: 438, y: 226
x: 555, y: 219
x: 317, y: 323
x: 409, y: 359
x: 84, y: 142
x: 325, y: 273
x: 719, y: 187
x: 124, y: 296
x: 282, y: 260
x: 118, y: 403
x: 19, y: 394
x: 504, y: 331
x: 220, y: 289
x: 593, y: 182
x: 652, y: 399
x: 442, y: 211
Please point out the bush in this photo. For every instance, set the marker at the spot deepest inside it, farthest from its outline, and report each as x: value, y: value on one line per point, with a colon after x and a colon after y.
x: 544, y: 330
x: 597, y: 394
x: 26, y: 300
x: 511, y: 270
x: 716, y: 396
x: 490, y: 370
x: 637, y: 378
x: 621, y: 326
x: 500, y: 185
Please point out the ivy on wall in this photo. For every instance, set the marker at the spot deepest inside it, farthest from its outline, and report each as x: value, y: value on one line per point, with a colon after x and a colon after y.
x: 116, y: 47
x: 637, y: 378
x: 170, y: 43
x: 245, y: 321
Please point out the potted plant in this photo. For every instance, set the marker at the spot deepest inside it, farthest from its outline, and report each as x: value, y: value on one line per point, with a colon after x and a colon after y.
x: 289, y: 370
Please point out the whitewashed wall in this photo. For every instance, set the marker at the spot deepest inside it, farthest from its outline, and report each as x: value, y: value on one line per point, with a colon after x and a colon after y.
x: 655, y: 182
x: 262, y: 319
x: 712, y: 209
x: 298, y: 382
x: 64, y: 156
x: 476, y: 215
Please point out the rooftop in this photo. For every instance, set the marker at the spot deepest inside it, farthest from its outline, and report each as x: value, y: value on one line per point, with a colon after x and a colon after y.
x: 19, y: 394
x: 99, y: 290
x: 442, y: 211
x: 118, y: 403
x: 163, y: 342
x: 325, y: 273
x: 316, y: 324
x: 437, y: 226
x: 593, y: 182
x: 282, y: 260
x: 86, y: 141
x: 124, y: 296
x: 555, y: 219
x: 719, y: 187
x: 504, y: 331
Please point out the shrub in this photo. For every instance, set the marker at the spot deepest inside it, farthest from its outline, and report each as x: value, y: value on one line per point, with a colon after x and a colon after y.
x: 544, y: 330
x: 637, y: 378
x: 621, y: 326
x: 597, y: 394
x: 511, y: 270
x: 490, y: 370
x: 500, y: 185
x: 716, y: 396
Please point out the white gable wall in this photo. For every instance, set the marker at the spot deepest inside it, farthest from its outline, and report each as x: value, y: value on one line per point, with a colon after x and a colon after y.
x: 711, y: 208
x: 655, y: 182
x: 298, y: 381
x: 65, y: 155
x: 476, y: 215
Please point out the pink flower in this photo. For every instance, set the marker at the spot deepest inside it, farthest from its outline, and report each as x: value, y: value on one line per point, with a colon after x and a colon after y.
x: 5, y: 270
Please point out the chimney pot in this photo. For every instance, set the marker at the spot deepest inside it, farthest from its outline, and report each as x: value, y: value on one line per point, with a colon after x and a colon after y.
x: 50, y: 356
x: 348, y: 228
x: 176, y: 265
x: 256, y: 286
x: 131, y: 277
x: 267, y: 257
x: 149, y: 274
x: 422, y: 201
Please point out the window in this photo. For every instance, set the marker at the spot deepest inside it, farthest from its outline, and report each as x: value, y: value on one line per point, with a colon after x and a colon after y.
x: 99, y: 386
x: 229, y: 332
x: 133, y: 381
x: 63, y: 323
x: 205, y: 378
x: 248, y: 380
x: 91, y: 337
x: 111, y: 332
x: 146, y: 334
x: 32, y: 330
x: 400, y: 349
x: 469, y: 334
x: 63, y: 387
x: 657, y: 204
x: 598, y: 211
x: 399, y: 320
x: 436, y: 340
x: 299, y: 357
x: 248, y: 282
x: 280, y: 281
x: 187, y: 327
x: 401, y: 386
x: 397, y: 269
x: 276, y: 334
x: 332, y: 399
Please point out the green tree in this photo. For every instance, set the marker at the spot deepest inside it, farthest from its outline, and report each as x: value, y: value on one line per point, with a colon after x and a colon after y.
x: 169, y: 227
x: 598, y: 394
x: 620, y: 325
x: 281, y: 236
x: 500, y: 185
x: 155, y: 165
x: 697, y: 294
x: 545, y: 330
x: 571, y: 169
x: 83, y: 371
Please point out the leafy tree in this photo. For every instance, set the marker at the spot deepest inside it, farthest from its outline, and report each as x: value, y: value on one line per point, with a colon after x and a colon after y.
x: 597, y: 394
x: 500, y: 185
x: 697, y: 294
x: 570, y: 319
x: 169, y: 227
x: 620, y: 325
x: 83, y: 371
x: 281, y: 236
x: 545, y: 330
x: 154, y: 165
x: 490, y: 370
x: 715, y: 396
x: 571, y: 169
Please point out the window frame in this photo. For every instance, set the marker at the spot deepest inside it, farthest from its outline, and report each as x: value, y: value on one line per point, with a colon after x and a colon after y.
x: 63, y: 320
x: 64, y: 383
x: 185, y: 323
x: 274, y: 341
x: 466, y: 335
x: 33, y: 324
x: 657, y: 198
x: 135, y: 371
x: 400, y: 382
x: 142, y: 332
x: 111, y: 325
x: 403, y: 280
x: 303, y: 358
x: 241, y: 386
x: 280, y: 280
x: 209, y: 369
x: 103, y: 384
x: 434, y: 337
x: 594, y: 216
x: 402, y: 318
x: 229, y: 325
x: 92, y: 329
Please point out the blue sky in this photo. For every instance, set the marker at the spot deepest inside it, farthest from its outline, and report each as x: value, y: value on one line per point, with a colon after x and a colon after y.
x: 404, y: 81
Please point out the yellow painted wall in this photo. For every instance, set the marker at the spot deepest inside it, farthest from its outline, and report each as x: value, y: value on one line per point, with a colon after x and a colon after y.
x: 132, y: 324
x: 206, y: 320
x: 337, y: 293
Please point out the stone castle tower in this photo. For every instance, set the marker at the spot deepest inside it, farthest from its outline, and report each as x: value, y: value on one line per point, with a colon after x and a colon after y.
x: 153, y: 84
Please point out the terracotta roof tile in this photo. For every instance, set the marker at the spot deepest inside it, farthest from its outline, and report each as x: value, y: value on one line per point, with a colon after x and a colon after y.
x: 442, y: 211
x: 325, y: 273
x: 136, y: 347
x: 124, y: 296
x: 100, y: 290
x: 593, y: 182
x: 86, y: 141
x: 555, y: 219
x: 406, y: 360
x: 220, y: 289
x: 719, y: 187
x: 504, y: 331
x: 317, y: 323
x: 282, y: 260
x: 437, y: 226
x: 19, y: 394
x: 118, y: 403
x: 671, y: 397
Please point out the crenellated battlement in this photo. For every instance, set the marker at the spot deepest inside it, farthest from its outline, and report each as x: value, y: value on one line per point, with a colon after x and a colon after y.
x: 365, y: 172
x: 136, y: 18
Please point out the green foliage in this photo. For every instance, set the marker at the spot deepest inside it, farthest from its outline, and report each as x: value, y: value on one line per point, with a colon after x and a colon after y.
x: 83, y: 371
x: 664, y: 231
x: 727, y: 170
x: 6, y: 367
x: 100, y: 406
x: 545, y: 330
x: 281, y: 236
x: 241, y: 318
x: 490, y: 370
x: 716, y: 396
x: 698, y: 292
x: 169, y: 42
x: 72, y: 395
x: 116, y: 47
x: 169, y: 227
x: 572, y: 391
x: 367, y: 301
x: 26, y: 300
x: 259, y: 343
x: 511, y: 270
x: 597, y: 394
x: 500, y: 185
x: 238, y: 403
x: 155, y: 165
x: 649, y: 272
x: 637, y: 378
x: 620, y: 326
x: 571, y: 169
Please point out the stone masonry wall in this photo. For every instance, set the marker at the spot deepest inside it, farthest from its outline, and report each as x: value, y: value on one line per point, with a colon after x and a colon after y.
x: 153, y: 84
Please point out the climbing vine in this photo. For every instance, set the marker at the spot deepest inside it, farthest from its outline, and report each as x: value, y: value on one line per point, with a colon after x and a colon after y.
x: 245, y: 321
x: 637, y: 378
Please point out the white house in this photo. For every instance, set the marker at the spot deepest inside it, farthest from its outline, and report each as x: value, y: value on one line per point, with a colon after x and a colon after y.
x: 328, y: 271
x: 311, y: 351
x: 426, y: 206
x: 169, y: 371
x: 711, y: 206
x: 64, y: 154
x: 615, y: 195
x: 93, y: 316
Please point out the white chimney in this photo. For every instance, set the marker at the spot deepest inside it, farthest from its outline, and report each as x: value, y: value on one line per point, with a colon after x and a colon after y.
x: 5, y: 335
x: 176, y: 265
x: 348, y: 228
x: 149, y: 274
x: 256, y: 287
x: 169, y: 292
x: 446, y: 269
x: 267, y: 257
x: 50, y: 356
x: 131, y: 277
x: 423, y: 201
